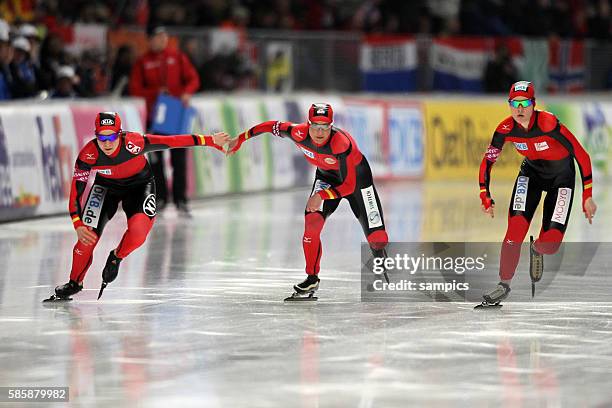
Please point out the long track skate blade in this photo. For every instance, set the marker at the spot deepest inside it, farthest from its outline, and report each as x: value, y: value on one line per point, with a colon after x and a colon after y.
x: 55, y: 299
x: 532, y: 290
x: 386, y: 277
x: 488, y: 306
x: 301, y: 298
x: 104, y: 284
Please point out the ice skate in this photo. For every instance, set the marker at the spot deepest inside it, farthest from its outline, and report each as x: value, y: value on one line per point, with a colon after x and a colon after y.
x: 494, y: 298
x: 305, y: 290
x: 536, y: 265
x: 379, y: 253
x: 63, y: 293
x: 110, y: 271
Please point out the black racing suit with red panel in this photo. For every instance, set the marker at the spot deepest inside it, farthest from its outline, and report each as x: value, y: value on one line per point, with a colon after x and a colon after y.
x: 549, y: 149
x: 342, y: 172
x: 124, y: 177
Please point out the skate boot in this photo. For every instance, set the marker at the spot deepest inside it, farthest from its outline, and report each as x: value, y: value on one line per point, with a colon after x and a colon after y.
x: 110, y: 271
x: 65, y: 291
x: 305, y: 290
x: 536, y: 265
x: 493, y: 298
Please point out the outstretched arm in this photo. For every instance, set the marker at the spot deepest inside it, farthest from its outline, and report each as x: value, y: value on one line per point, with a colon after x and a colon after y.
x: 159, y: 142
x: 280, y: 129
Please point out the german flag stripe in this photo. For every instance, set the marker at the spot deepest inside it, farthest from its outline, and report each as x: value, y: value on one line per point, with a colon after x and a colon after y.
x: 483, y: 190
x: 75, y: 219
x: 590, y: 185
x: 202, y: 140
x: 330, y: 193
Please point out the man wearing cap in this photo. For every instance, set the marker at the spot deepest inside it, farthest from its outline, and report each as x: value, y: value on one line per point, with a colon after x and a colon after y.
x: 165, y: 70
x: 31, y: 34
x: 64, y: 87
x: 123, y: 175
x: 25, y: 73
x: 342, y: 172
x: 549, y: 149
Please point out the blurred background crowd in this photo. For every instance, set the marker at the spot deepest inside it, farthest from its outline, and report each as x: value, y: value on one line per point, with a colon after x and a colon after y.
x: 86, y: 48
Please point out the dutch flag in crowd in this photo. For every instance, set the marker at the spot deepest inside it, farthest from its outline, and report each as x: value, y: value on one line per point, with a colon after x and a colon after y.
x: 458, y: 63
x: 389, y: 64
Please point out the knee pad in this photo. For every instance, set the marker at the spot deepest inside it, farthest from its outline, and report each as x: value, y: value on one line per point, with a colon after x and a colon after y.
x: 378, y: 239
x: 549, y: 241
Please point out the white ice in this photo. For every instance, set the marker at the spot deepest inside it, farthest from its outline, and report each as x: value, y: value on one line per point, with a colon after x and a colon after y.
x: 196, y: 317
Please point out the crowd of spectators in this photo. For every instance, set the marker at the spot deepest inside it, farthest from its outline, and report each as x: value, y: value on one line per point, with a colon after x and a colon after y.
x: 566, y: 18
x: 34, y: 62
x: 35, y: 67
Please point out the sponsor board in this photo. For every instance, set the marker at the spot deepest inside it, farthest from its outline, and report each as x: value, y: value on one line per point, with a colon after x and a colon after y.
x: 457, y: 139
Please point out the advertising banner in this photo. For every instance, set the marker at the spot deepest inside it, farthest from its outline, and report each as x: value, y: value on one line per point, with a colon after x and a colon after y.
x: 591, y: 123
x: 456, y: 139
x: 20, y: 156
x: 406, y: 147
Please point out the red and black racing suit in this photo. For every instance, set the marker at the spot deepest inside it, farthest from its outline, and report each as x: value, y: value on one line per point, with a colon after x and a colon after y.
x: 549, y: 149
x: 126, y: 177
x: 342, y: 172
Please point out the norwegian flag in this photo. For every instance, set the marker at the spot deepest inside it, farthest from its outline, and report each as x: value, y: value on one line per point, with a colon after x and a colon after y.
x: 566, y: 71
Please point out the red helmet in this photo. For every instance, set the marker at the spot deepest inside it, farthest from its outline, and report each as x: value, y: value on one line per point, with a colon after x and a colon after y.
x: 107, y: 122
x: 522, y: 88
x: 321, y: 112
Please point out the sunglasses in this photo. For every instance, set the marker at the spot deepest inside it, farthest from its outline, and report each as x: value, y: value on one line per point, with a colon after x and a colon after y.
x: 524, y: 103
x: 321, y: 126
x: 108, y: 138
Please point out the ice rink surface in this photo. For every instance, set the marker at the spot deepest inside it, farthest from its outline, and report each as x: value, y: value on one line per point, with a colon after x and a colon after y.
x: 196, y: 317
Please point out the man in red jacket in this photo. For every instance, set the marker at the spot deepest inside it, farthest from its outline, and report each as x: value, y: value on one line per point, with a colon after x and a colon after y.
x: 165, y: 70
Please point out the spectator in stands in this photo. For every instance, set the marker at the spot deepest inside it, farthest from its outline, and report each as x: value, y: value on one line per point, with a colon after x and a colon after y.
x: 500, y: 73
x: 120, y: 73
x: 321, y: 15
x: 24, y: 72
x: 91, y: 71
x: 31, y: 34
x: 66, y: 81
x: 165, y: 70
x: 6, y: 55
x: 226, y: 71
x: 444, y: 15
x: 52, y: 57
x: 368, y: 17
x: 600, y: 20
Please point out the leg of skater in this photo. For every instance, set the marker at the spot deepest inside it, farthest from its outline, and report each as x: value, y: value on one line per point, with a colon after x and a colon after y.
x: 139, y: 207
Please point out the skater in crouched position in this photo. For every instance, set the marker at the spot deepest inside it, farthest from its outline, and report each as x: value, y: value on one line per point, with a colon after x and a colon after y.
x: 342, y: 172
x: 123, y: 175
x: 550, y: 150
